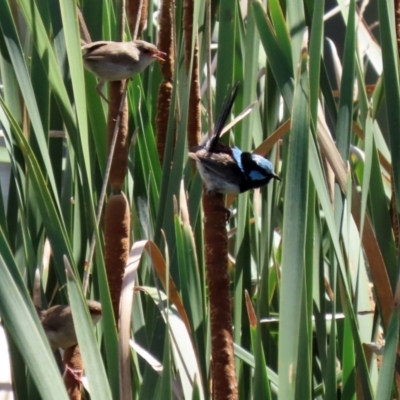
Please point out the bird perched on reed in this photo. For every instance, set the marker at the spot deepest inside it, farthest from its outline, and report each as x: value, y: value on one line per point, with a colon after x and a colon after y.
x: 59, y: 326
x: 116, y: 61
x: 227, y: 169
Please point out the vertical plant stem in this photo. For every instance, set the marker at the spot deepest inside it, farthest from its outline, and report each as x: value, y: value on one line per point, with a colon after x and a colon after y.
x: 165, y: 44
x: 103, y: 194
x: 393, y: 208
x: 209, y: 73
x: 73, y: 359
x: 117, y: 218
x: 194, y: 121
x: 120, y: 159
x: 164, y: 104
x: 224, y: 384
x: 394, y: 214
x: 137, y: 16
x: 223, y: 374
x: 116, y: 233
x: 117, y: 211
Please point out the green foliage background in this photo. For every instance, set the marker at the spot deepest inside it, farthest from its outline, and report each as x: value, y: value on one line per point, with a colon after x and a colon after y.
x: 316, y: 252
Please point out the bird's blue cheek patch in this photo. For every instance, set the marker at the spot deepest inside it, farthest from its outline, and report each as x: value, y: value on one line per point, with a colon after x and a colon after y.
x: 237, y: 156
x: 256, y: 175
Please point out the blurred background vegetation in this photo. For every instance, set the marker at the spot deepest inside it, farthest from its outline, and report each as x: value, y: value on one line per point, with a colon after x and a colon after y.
x: 317, y: 252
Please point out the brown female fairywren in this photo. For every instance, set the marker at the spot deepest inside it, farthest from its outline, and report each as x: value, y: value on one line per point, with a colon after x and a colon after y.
x: 116, y: 61
x: 59, y: 326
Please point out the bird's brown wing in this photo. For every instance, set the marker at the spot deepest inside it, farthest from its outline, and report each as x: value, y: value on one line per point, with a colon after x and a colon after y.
x: 53, y: 324
x: 222, y: 165
x: 93, y: 47
x: 112, y: 51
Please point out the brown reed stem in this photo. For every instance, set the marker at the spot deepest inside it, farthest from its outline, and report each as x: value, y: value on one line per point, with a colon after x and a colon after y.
x: 137, y: 12
x: 73, y: 362
x: 165, y: 44
x: 116, y: 235
x: 224, y: 384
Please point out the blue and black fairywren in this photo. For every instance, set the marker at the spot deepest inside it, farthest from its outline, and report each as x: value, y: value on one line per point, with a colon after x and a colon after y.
x: 227, y: 169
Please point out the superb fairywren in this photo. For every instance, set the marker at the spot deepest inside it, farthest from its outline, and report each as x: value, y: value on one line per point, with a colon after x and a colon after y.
x: 227, y: 169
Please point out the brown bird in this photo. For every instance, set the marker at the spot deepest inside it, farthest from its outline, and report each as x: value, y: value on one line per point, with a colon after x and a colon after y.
x: 115, y: 61
x: 59, y: 326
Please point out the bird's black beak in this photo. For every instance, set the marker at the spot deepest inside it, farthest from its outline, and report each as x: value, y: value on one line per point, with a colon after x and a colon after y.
x: 277, y: 177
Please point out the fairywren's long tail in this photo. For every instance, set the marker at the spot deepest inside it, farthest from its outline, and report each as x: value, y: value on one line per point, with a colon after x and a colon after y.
x: 223, y: 116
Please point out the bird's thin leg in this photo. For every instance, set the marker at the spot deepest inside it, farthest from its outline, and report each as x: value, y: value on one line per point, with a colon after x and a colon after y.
x: 228, y: 214
x: 76, y: 373
x: 99, y: 87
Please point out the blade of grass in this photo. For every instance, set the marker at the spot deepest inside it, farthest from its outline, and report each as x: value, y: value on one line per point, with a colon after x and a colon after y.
x: 385, y: 382
x: 93, y: 363
x: 294, y: 232
x: 54, y: 226
x: 392, y: 86
x: 24, y: 327
x: 296, y: 26
x: 262, y: 389
x: 281, y: 70
x: 343, y: 127
x: 15, y: 52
